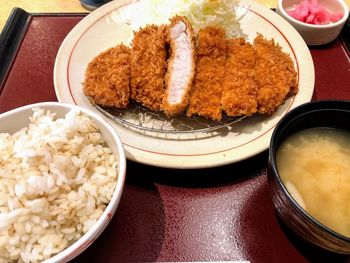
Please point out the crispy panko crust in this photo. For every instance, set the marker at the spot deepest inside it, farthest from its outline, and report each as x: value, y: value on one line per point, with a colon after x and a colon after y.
x: 239, y: 89
x: 210, y: 70
x: 274, y: 74
x: 107, y: 78
x: 228, y: 76
x: 172, y: 109
x: 148, y: 66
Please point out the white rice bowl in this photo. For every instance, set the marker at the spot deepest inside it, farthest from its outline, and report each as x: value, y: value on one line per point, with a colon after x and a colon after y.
x: 58, y: 203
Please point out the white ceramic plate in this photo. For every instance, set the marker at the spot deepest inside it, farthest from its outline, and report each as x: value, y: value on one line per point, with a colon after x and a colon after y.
x: 102, y: 29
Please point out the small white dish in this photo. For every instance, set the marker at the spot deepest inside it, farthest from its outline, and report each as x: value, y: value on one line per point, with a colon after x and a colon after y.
x: 315, y: 35
x: 16, y: 119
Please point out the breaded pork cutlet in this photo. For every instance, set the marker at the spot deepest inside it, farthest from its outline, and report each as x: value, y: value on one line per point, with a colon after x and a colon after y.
x: 274, y: 74
x: 210, y: 70
x: 148, y: 66
x: 107, y: 78
x: 239, y: 87
x: 181, y: 66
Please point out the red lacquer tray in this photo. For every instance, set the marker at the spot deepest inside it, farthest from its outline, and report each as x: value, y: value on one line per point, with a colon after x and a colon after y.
x: 215, y: 214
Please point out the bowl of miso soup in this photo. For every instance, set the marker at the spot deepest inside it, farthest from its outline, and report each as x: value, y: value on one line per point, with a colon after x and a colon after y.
x: 309, y: 173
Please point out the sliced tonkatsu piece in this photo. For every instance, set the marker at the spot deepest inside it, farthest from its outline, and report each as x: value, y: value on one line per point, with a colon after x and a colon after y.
x: 148, y: 66
x: 210, y: 71
x: 107, y: 78
x: 181, y: 66
x: 274, y: 74
x: 239, y: 87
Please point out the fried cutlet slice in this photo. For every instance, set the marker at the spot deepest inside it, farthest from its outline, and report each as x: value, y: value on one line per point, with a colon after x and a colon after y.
x: 107, y: 78
x: 181, y: 66
x: 210, y: 71
x: 148, y: 66
x: 275, y: 75
x: 239, y: 87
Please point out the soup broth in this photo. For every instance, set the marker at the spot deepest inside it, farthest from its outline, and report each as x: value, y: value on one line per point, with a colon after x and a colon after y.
x: 314, y: 165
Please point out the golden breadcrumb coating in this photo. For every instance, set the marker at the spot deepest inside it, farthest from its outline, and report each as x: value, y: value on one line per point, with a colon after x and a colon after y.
x: 148, y: 66
x: 274, y: 74
x: 107, y: 78
x: 239, y: 89
x: 181, y: 66
x: 210, y: 70
x: 216, y: 75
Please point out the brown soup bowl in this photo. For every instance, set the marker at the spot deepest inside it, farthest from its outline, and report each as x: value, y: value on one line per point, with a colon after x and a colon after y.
x: 330, y: 114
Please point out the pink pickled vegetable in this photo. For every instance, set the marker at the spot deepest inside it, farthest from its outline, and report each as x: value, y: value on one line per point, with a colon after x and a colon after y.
x: 300, y: 11
x: 310, y: 18
x: 314, y: 7
x: 311, y: 12
x: 322, y: 18
x: 336, y: 17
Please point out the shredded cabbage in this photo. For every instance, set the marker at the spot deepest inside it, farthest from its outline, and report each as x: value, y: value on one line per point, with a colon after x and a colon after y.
x: 200, y: 13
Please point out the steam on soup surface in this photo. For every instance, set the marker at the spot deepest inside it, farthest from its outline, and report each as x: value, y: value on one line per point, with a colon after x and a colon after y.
x: 314, y: 165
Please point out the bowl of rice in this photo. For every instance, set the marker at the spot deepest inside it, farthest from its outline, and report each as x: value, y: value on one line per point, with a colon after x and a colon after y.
x: 62, y: 172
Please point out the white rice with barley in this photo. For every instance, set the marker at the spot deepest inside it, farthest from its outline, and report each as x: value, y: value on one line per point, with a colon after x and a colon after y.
x: 56, y: 178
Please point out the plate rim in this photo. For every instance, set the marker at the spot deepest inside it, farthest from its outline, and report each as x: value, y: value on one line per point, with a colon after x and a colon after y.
x: 167, y: 160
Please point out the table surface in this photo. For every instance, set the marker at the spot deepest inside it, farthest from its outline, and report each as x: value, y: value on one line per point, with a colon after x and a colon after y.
x: 215, y: 214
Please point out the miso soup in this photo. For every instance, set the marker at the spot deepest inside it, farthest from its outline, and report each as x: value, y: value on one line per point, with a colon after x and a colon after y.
x: 314, y: 165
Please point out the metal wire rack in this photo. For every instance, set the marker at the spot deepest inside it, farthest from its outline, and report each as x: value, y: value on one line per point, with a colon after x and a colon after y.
x: 142, y: 119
